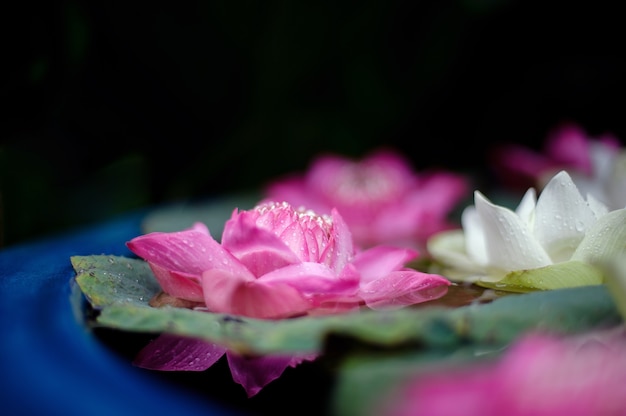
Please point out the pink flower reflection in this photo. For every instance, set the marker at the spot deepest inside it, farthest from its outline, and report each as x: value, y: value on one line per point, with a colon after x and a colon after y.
x: 380, y: 197
x: 170, y: 352
x: 540, y: 375
x: 275, y: 262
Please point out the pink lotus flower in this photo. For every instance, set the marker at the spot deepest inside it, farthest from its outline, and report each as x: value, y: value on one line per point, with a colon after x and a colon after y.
x: 540, y: 375
x: 596, y: 165
x: 381, y: 199
x: 275, y: 262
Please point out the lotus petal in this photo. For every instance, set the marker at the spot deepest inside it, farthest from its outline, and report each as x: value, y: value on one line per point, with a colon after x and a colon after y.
x: 380, y: 260
x: 224, y: 292
x: 170, y: 352
x: 562, y: 217
x: 401, y: 288
x: 259, y: 249
x: 508, y: 240
x: 605, y: 240
x: 254, y: 373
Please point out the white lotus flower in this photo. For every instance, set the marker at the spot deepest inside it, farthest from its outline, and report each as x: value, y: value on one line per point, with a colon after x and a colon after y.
x: 548, y: 242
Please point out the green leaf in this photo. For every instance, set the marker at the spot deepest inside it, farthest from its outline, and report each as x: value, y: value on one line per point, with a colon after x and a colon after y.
x: 555, y: 276
x: 121, y: 288
x: 115, y: 280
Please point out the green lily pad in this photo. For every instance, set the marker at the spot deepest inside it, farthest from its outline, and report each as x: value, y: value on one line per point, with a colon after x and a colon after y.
x: 556, y: 276
x: 120, y: 289
x: 111, y: 280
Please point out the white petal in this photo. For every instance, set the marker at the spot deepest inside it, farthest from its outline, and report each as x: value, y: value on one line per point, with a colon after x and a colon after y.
x: 605, y: 240
x: 448, y: 247
x: 615, y: 280
x: 526, y: 208
x: 602, y: 159
x: 562, y: 217
x: 616, y: 184
x: 597, y: 207
x: 475, y: 244
x: 510, y: 244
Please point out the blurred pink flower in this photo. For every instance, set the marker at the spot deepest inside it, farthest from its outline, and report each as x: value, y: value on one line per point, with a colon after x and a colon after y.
x: 540, y: 375
x: 275, y: 262
x: 596, y: 164
x: 380, y: 197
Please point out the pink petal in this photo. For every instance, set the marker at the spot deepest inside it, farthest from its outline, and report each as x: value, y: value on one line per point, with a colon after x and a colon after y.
x: 178, y: 259
x: 260, y: 250
x: 342, y: 299
x: 314, y: 280
x: 190, y: 251
x: 327, y: 169
x: 459, y: 391
x: 313, y: 238
x: 170, y: 352
x: 295, y: 238
x: 563, y: 377
x: 394, y: 163
x: 398, y: 224
x: 521, y: 160
x: 299, y: 359
x: 380, y: 260
x: 440, y: 190
x: 568, y: 145
x: 402, y: 288
x: 421, y: 212
x: 228, y: 293
x: 254, y: 373
x: 323, y: 170
x: 341, y: 243
x: 180, y: 285
x: 539, y: 375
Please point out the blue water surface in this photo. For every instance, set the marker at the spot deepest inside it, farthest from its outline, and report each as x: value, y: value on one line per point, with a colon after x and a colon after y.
x: 50, y: 362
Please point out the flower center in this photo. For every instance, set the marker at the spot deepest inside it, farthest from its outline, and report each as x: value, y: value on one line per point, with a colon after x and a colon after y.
x: 310, y: 236
x: 362, y: 183
x: 278, y: 215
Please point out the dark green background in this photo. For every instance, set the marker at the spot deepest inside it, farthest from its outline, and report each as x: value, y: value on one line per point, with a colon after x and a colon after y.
x: 115, y: 106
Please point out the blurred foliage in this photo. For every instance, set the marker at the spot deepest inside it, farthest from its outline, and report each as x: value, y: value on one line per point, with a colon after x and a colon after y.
x: 116, y: 106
